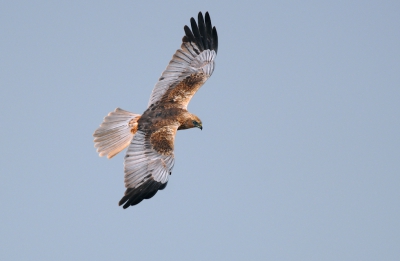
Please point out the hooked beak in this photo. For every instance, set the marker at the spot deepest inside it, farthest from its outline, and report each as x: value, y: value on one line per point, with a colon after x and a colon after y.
x: 198, y: 125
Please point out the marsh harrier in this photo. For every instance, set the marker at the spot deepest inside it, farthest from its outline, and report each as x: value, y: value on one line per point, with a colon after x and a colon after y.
x: 150, y: 137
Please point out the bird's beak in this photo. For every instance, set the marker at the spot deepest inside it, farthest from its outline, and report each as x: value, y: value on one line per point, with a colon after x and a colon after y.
x: 201, y: 127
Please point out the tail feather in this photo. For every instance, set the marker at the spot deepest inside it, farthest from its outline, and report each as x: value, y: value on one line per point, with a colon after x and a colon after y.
x: 115, y: 132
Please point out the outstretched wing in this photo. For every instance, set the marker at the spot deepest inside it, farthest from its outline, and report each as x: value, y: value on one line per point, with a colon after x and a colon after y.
x: 190, y: 66
x: 148, y: 164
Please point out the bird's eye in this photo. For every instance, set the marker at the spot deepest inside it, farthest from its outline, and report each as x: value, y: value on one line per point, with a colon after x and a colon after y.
x: 195, y: 123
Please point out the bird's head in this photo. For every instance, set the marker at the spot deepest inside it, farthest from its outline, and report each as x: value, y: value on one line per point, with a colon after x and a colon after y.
x: 192, y: 122
x: 196, y: 122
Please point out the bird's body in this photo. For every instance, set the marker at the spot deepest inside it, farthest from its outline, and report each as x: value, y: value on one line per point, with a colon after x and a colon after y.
x: 151, y: 120
x: 150, y: 137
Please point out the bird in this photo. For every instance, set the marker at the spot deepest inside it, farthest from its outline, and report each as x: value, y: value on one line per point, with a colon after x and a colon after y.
x: 149, y: 137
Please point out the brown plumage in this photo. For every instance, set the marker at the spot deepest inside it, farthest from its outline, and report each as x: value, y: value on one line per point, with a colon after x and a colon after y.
x: 150, y: 137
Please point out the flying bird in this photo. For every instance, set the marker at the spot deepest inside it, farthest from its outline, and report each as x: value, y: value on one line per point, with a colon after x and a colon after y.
x: 150, y: 137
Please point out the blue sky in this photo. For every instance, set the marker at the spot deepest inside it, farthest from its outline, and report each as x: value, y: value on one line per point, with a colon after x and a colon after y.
x: 298, y: 158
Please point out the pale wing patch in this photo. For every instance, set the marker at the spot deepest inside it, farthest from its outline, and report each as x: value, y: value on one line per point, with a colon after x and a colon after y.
x: 115, y: 132
x: 204, y: 63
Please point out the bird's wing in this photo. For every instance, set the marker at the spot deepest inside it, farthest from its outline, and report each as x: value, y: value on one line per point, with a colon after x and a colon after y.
x: 148, y: 164
x: 190, y: 66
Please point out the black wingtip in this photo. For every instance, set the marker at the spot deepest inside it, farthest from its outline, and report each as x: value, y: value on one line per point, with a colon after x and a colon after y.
x: 189, y: 34
x: 196, y: 33
x: 202, y: 33
x: 215, y: 39
x: 134, y: 196
x: 202, y: 29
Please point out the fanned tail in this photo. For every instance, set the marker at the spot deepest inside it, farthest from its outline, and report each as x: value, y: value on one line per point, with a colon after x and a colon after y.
x: 115, y: 132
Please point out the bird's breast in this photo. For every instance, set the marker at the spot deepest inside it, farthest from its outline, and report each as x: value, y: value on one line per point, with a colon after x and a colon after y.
x: 158, y: 116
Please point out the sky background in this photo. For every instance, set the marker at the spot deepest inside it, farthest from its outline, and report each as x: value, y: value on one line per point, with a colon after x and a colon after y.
x: 299, y: 157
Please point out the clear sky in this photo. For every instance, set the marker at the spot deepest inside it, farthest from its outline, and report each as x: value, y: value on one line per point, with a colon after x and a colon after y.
x: 299, y: 157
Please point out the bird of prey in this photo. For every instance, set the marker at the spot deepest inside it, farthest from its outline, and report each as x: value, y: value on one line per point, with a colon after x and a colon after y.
x: 150, y: 137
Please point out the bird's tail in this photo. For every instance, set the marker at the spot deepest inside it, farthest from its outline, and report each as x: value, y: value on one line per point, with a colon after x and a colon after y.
x: 115, y: 132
